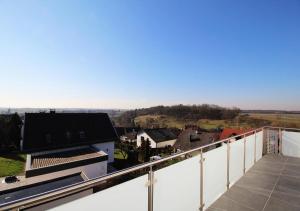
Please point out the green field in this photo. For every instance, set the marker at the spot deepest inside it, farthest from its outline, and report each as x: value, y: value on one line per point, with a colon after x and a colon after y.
x: 12, y: 164
x: 118, y: 154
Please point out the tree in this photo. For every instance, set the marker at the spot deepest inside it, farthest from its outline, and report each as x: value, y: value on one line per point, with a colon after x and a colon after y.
x: 14, y: 131
x: 145, y: 150
x: 10, y: 132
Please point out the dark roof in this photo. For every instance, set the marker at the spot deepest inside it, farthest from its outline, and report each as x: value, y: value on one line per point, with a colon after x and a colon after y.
x: 131, y: 136
x: 124, y: 130
x: 191, y: 138
x: 160, y: 134
x: 43, y: 131
x: 26, y: 191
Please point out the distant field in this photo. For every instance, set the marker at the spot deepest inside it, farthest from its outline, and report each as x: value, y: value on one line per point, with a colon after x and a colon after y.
x: 12, y: 164
x: 158, y: 120
x: 283, y: 120
x: 167, y: 121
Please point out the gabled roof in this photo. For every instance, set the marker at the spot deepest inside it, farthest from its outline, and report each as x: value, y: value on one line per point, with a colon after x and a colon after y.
x: 228, y: 132
x: 125, y: 130
x: 160, y: 134
x: 44, y: 131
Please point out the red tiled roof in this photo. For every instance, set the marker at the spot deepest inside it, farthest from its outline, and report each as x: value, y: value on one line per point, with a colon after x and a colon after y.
x: 227, y: 132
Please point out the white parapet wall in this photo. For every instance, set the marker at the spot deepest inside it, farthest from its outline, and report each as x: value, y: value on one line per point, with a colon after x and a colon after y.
x: 177, y: 187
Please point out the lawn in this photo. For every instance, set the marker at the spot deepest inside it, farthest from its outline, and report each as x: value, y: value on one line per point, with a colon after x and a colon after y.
x: 118, y: 154
x: 12, y: 164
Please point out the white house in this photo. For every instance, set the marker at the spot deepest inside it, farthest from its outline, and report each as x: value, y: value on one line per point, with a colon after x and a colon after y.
x: 68, y: 142
x: 158, y: 137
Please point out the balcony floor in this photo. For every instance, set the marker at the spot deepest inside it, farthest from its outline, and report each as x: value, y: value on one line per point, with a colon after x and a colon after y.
x: 272, y: 184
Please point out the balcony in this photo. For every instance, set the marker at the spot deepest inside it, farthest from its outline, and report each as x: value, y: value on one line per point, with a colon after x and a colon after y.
x: 259, y: 170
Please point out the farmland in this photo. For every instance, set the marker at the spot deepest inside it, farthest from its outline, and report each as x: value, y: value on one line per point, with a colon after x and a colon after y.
x: 250, y: 120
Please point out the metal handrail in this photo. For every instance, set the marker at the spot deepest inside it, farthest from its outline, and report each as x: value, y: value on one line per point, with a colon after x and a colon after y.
x: 75, y: 188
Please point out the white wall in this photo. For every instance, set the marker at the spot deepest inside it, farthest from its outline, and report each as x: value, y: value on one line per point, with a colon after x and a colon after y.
x: 95, y: 170
x: 153, y: 144
x: 166, y: 143
x: 108, y: 148
x: 145, y: 135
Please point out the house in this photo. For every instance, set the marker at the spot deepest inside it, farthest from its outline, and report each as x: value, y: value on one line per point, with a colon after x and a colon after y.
x: 65, y: 143
x: 194, y: 137
x: 127, y: 134
x: 230, y: 132
x: 158, y: 137
x: 62, y: 149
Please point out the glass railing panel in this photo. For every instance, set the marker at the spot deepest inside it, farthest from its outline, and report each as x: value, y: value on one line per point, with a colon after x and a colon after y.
x: 131, y: 195
x: 177, y: 187
x: 236, y: 161
x: 259, y: 145
x: 250, y: 146
x: 215, y: 174
x: 291, y: 143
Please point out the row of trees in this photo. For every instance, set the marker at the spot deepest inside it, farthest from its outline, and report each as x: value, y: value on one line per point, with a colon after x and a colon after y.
x: 10, y: 132
x: 186, y: 112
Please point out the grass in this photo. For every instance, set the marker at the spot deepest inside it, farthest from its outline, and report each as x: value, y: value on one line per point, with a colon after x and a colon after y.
x: 118, y: 155
x: 12, y: 164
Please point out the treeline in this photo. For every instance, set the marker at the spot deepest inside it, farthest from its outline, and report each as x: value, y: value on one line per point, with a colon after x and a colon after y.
x: 183, y: 112
x: 10, y: 132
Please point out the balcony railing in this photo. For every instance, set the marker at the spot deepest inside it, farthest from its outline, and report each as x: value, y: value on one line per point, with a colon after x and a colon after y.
x: 192, y: 184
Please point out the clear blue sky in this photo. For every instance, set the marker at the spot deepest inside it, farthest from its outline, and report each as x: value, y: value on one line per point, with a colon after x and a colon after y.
x: 128, y: 54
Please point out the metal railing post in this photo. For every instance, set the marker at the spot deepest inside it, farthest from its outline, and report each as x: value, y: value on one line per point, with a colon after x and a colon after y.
x: 255, y: 147
x: 228, y: 163
x: 150, y: 189
x: 201, y: 181
x: 269, y: 142
x: 280, y: 141
x: 244, y: 169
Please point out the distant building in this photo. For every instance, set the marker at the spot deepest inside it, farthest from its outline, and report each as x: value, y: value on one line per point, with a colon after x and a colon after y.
x: 68, y: 142
x: 192, y: 138
x: 158, y: 137
x: 127, y: 134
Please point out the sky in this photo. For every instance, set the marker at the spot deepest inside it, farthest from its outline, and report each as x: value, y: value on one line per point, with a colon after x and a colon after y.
x: 142, y: 53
